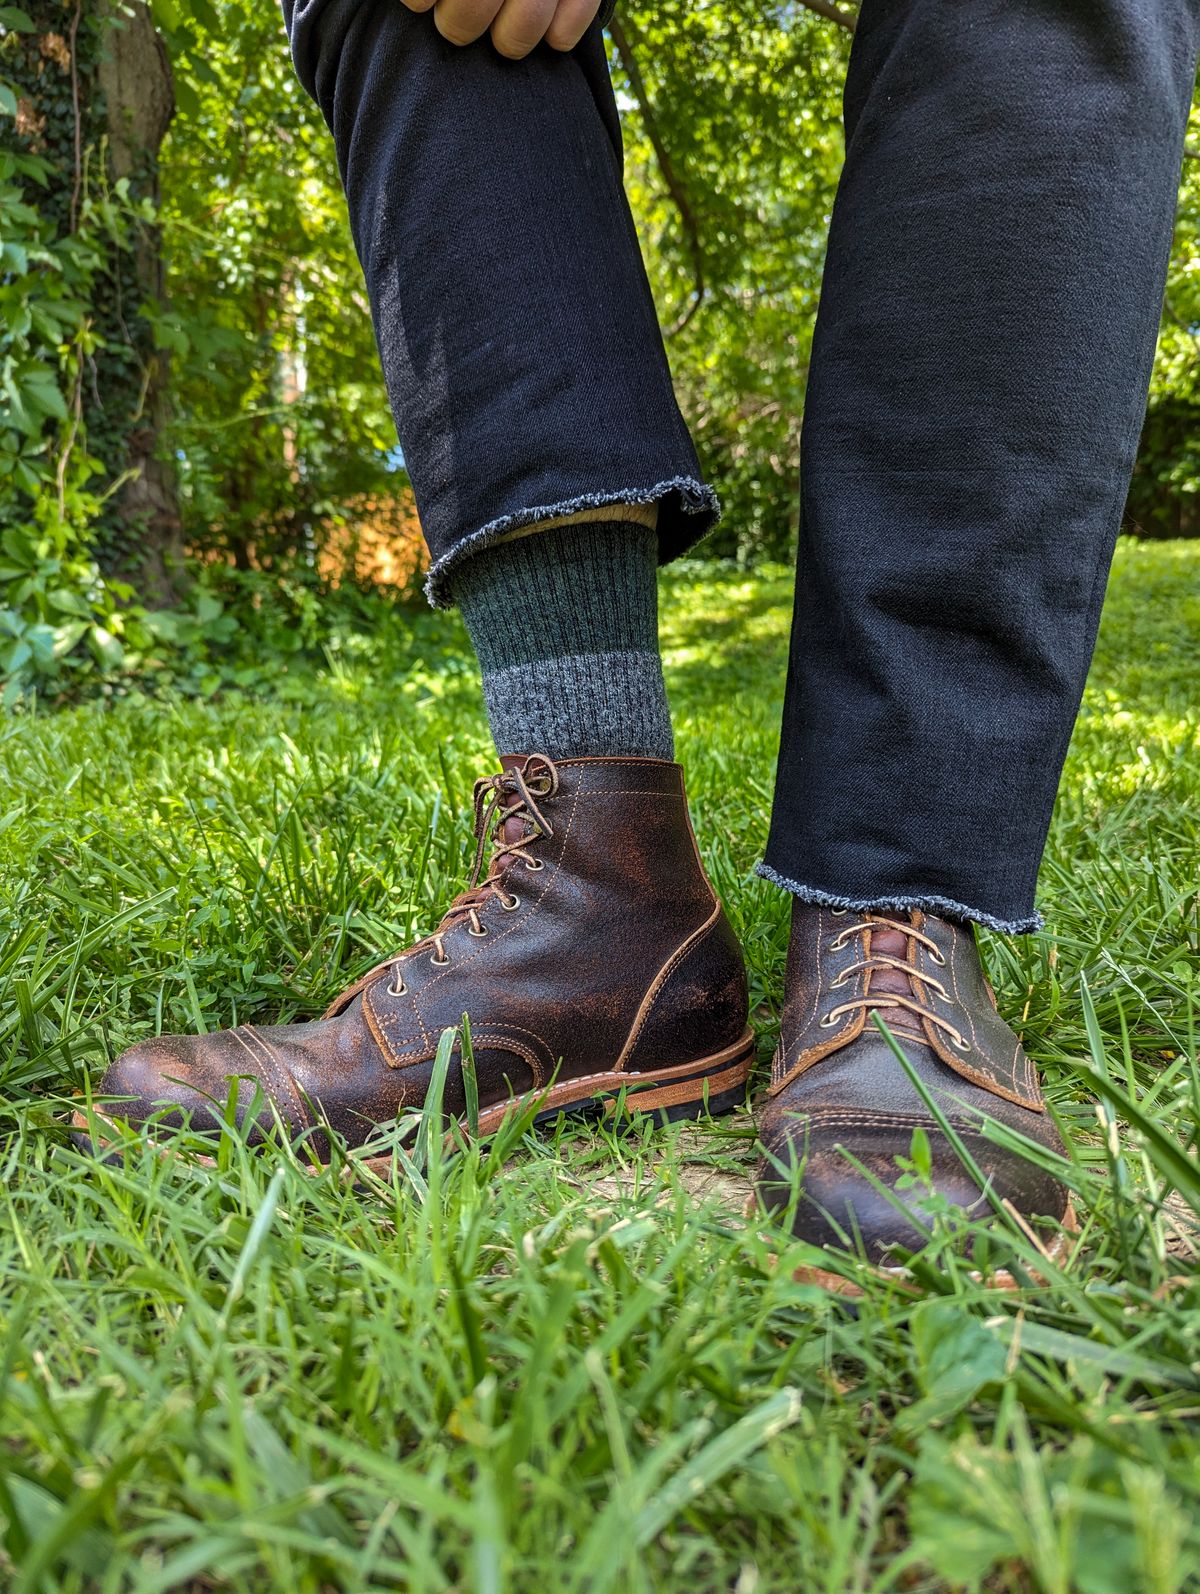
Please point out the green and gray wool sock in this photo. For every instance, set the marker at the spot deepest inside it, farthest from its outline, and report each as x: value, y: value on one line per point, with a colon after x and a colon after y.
x: 565, y: 624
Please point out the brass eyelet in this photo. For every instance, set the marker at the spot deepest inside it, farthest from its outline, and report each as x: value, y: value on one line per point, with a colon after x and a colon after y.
x: 478, y: 934
x: 961, y: 1043
x: 828, y: 1021
x: 534, y: 864
x: 837, y: 913
x: 397, y: 990
x: 937, y: 957
x: 439, y: 963
x: 512, y: 906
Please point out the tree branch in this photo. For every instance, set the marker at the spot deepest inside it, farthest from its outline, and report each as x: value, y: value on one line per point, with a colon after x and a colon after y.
x: 675, y: 186
x: 832, y: 13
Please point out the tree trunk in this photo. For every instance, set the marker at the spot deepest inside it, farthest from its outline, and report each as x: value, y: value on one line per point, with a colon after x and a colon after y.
x: 134, y: 77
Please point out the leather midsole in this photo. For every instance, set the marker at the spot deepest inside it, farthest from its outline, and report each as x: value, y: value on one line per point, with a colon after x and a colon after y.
x: 682, y: 1082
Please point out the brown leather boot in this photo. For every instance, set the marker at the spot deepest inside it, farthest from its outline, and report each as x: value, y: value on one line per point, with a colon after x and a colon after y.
x: 592, y: 959
x: 837, y: 1086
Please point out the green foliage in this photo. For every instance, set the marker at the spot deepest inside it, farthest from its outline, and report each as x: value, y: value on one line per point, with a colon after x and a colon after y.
x: 280, y: 412
x: 257, y: 250
x: 61, y: 619
x: 564, y: 1360
x: 73, y: 340
x: 1164, y: 500
x: 747, y: 103
x: 263, y: 631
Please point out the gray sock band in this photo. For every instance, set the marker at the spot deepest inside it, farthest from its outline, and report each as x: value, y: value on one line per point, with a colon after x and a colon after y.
x: 565, y: 624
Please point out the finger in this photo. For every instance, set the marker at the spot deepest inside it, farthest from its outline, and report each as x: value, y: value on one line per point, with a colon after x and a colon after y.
x: 464, y: 21
x: 520, y: 25
x: 419, y: 5
x: 572, y: 19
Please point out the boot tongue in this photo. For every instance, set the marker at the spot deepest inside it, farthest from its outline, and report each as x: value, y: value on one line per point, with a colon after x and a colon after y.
x: 886, y: 942
x: 514, y: 830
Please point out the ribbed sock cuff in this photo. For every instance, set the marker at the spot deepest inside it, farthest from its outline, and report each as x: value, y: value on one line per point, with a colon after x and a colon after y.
x: 565, y: 625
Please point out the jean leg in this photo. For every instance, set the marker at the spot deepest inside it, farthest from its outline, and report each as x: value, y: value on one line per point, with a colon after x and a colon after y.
x: 515, y: 324
x: 979, y: 375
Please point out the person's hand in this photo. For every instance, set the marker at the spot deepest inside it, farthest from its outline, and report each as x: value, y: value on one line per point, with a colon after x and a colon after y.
x: 515, y: 25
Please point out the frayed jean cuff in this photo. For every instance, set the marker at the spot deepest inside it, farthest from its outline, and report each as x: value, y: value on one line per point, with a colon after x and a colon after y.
x: 942, y: 907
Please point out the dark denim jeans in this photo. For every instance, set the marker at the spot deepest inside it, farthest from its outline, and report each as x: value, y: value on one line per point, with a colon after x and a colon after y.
x: 983, y: 349
x: 519, y: 340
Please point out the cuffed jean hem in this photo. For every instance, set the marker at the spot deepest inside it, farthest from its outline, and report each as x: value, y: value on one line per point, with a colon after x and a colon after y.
x: 943, y: 907
x: 689, y: 509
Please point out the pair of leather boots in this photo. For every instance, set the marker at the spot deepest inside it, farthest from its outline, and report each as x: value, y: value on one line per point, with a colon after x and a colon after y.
x: 598, y: 970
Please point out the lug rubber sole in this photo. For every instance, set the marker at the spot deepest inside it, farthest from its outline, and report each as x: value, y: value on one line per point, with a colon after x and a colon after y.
x: 685, y: 1092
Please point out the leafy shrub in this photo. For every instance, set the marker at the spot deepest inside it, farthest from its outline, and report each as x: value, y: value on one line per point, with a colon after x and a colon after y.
x: 61, y: 620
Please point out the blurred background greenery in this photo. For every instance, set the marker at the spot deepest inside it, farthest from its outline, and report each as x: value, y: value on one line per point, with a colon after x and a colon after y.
x: 198, y: 471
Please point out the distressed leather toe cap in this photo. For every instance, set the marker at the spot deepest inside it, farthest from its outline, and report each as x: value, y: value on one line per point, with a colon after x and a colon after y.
x: 852, y: 1186
x: 186, y: 1079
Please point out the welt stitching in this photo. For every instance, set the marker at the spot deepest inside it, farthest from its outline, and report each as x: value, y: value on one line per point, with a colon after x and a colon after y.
x: 582, y: 1079
x: 619, y: 1079
x: 871, y: 1121
x: 606, y: 791
x: 648, y: 1076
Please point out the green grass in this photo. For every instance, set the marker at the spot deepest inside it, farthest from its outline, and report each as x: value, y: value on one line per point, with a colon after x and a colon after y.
x: 564, y: 1362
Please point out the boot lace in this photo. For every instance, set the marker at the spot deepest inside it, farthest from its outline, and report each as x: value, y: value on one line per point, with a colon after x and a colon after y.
x: 513, y: 794
x: 881, y: 1000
